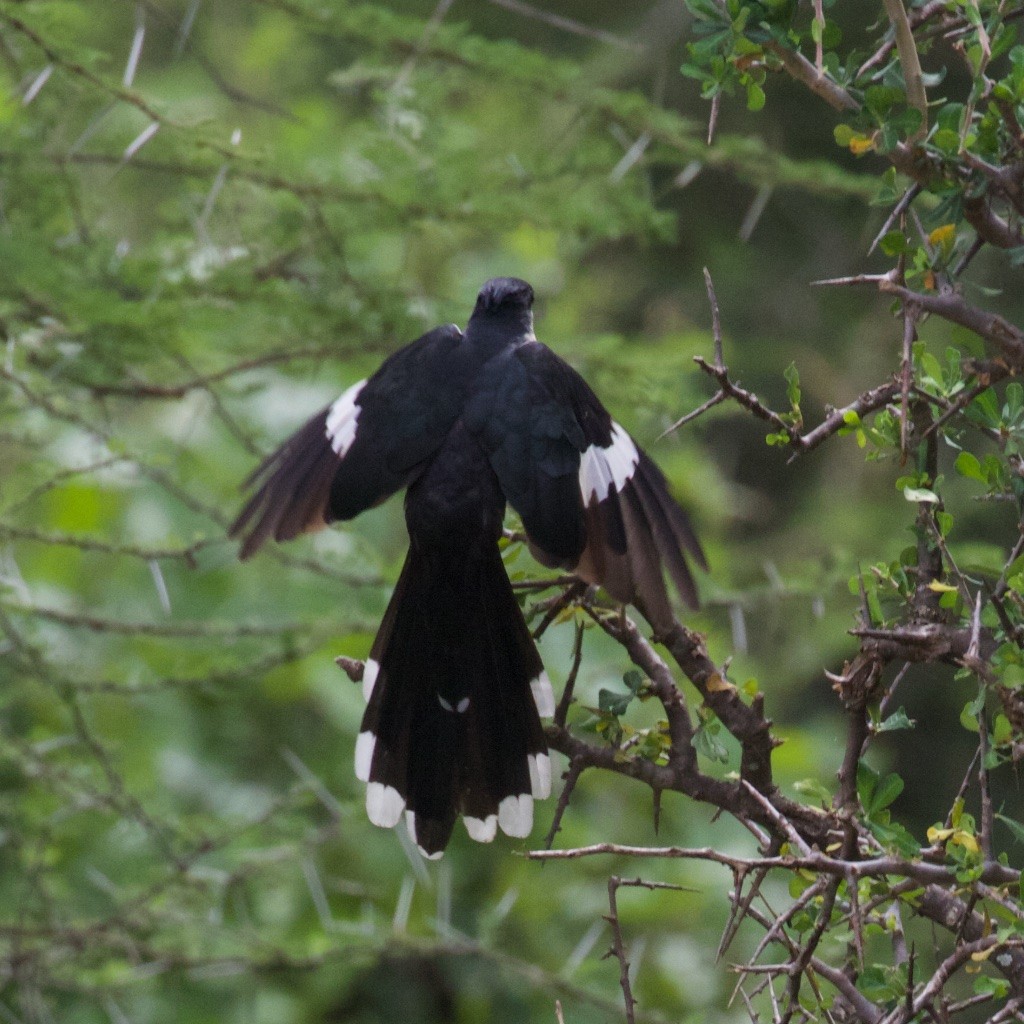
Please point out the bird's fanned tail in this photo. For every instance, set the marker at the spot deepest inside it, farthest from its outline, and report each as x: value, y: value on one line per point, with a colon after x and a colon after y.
x: 455, y: 690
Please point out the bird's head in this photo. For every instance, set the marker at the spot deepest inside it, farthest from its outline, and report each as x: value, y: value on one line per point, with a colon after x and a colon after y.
x: 505, y: 297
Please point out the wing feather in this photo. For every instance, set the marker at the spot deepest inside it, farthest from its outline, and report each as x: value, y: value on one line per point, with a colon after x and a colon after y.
x: 590, y: 498
x: 362, y: 448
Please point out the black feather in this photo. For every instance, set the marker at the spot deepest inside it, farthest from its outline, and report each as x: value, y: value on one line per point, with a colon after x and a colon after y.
x: 451, y: 710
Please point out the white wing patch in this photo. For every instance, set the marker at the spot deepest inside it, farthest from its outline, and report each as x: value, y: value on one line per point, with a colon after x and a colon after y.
x: 365, y: 744
x: 540, y: 775
x: 603, y: 470
x: 370, y: 670
x: 342, y: 420
x: 543, y: 696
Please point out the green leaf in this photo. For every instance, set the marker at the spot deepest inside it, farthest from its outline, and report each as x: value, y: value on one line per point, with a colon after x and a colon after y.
x: 897, y: 720
x: 634, y: 680
x: 708, y: 744
x: 867, y: 782
x: 879, y: 99
x: 613, y: 703
x: 844, y: 135
x: 998, y: 988
x: 706, y: 10
x: 969, y: 716
x: 755, y: 96
x: 946, y: 141
x: 813, y: 788
x: 1002, y: 730
x: 967, y: 465
x: 792, y: 375
x: 893, y: 243
x: 1015, y: 827
x: 894, y: 836
x: 885, y: 793
x: 985, y: 409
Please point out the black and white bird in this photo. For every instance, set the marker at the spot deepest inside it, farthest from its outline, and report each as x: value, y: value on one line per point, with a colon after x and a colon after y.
x: 468, y: 421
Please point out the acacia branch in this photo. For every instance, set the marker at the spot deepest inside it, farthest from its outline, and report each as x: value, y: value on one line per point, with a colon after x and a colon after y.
x: 800, y: 68
x: 950, y: 305
x: 818, y: 863
x: 910, y: 62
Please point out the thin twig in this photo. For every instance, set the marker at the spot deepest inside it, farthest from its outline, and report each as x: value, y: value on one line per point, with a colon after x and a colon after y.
x: 618, y: 949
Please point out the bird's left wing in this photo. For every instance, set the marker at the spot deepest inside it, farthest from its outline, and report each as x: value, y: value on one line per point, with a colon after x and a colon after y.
x: 363, y: 447
x: 590, y: 498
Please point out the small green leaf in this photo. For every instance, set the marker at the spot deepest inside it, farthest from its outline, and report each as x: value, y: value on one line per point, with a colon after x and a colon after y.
x: 867, y: 782
x: 946, y: 141
x: 710, y: 745
x: 967, y: 465
x: 613, y: 703
x: 1002, y: 730
x: 844, y: 134
x: 633, y: 680
x: 998, y: 988
x: 969, y: 717
x: 813, y: 788
x: 888, y: 789
x: 1015, y: 827
x: 897, y: 720
x: 792, y: 375
x: 880, y: 99
x: 893, y: 243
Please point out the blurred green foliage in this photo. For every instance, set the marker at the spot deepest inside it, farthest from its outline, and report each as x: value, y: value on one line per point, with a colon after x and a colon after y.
x: 212, y: 219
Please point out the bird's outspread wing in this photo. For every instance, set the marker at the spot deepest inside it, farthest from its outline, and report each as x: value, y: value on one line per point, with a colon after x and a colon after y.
x: 363, y: 447
x: 590, y: 498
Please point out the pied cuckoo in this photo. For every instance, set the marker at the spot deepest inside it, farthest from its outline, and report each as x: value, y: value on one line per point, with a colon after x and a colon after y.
x: 468, y: 421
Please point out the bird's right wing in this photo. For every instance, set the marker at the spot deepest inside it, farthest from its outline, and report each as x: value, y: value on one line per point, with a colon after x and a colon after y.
x: 363, y: 447
x: 590, y: 498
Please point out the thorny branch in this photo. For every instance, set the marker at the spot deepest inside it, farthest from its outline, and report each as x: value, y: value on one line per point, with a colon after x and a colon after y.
x: 860, y: 875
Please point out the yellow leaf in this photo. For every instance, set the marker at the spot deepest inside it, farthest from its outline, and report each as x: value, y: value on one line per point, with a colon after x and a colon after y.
x: 935, y: 834
x: 716, y: 684
x: 943, y: 234
x: 861, y: 144
x: 983, y: 954
x: 941, y: 588
x: 967, y: 841
x: 929, y: 281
